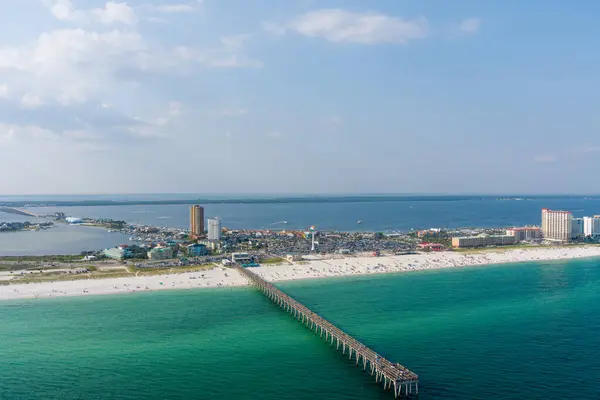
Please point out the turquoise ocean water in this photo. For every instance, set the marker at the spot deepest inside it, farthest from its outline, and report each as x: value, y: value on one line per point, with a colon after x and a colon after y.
x: 529, y: 331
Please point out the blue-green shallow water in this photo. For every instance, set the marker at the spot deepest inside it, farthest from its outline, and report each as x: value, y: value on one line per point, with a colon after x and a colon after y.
x: 530, y: 331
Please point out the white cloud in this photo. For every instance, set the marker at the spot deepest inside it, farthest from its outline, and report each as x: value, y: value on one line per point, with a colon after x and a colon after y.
x: 160, y: 126
x: 173, y: 8
x: 31, y: 100
x: 544, y: 159
x: 111, y: 13
x: 11, y: 133
x: 64, y: 10
x: 340, y: 26
x: 3, y: 91
x: 115, y: 13
x: 72, y: 64
x: 76, y: 65
x: 470, y: 26
x: 35, y: 139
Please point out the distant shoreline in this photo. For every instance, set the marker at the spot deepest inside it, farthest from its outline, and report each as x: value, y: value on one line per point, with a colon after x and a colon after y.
x: 279, y: 200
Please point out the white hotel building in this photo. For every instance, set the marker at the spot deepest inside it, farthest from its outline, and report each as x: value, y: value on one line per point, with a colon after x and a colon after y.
x: 557, y: 225
x: 591, y: 225
x: 214, y: 229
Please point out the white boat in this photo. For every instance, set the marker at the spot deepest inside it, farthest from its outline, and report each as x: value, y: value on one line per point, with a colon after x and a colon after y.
x: 359, y: 222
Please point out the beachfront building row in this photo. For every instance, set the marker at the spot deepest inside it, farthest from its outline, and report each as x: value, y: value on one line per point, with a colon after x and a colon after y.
x: 528, y: 233
x: 561, y: 226
x: 483, y: 240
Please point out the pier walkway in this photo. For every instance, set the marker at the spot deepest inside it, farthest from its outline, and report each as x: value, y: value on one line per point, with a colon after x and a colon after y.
x: 391, y: 375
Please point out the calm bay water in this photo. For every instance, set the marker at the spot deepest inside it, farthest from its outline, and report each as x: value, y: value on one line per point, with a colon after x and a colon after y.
x: 374, y: 216
x: 503, y: 332
x: 62, y: 239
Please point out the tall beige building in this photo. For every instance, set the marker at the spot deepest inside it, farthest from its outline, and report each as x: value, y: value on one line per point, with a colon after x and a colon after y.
x: 556, y: 225
x: 197, y: 221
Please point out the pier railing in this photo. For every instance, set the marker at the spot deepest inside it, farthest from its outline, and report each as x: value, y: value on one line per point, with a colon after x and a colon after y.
x: 391, y: 375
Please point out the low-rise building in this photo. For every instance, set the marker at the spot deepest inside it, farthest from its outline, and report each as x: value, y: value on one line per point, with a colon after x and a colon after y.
x: 432, y: 232
x: 525, y: 233
x: 241, y: 258
x: 196, y: 250
x: 430, y: 246
x: 118, y: 253
x: 483, y: 241
x: 160, y: 253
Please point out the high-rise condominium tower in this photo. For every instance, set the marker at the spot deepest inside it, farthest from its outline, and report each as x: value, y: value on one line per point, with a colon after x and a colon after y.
x: 556, y: 225
x: 197, y: 221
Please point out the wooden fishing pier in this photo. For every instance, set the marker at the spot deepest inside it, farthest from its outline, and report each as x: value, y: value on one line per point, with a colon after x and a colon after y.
x: 392, y: 375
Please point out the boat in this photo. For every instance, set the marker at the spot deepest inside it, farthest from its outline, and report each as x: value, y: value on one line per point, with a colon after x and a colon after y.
x: 359, y: 222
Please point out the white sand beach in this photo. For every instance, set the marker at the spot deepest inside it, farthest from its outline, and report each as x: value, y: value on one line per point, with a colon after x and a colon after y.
x: 322, y: 268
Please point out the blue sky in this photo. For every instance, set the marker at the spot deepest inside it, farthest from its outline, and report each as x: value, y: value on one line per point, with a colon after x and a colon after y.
x: 299, y: 96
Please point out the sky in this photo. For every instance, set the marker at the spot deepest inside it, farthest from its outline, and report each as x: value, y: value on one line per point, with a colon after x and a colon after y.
x: 299, y: 96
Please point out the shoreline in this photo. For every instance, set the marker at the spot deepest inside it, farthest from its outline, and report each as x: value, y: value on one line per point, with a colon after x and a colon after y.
x: 314, y: 269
